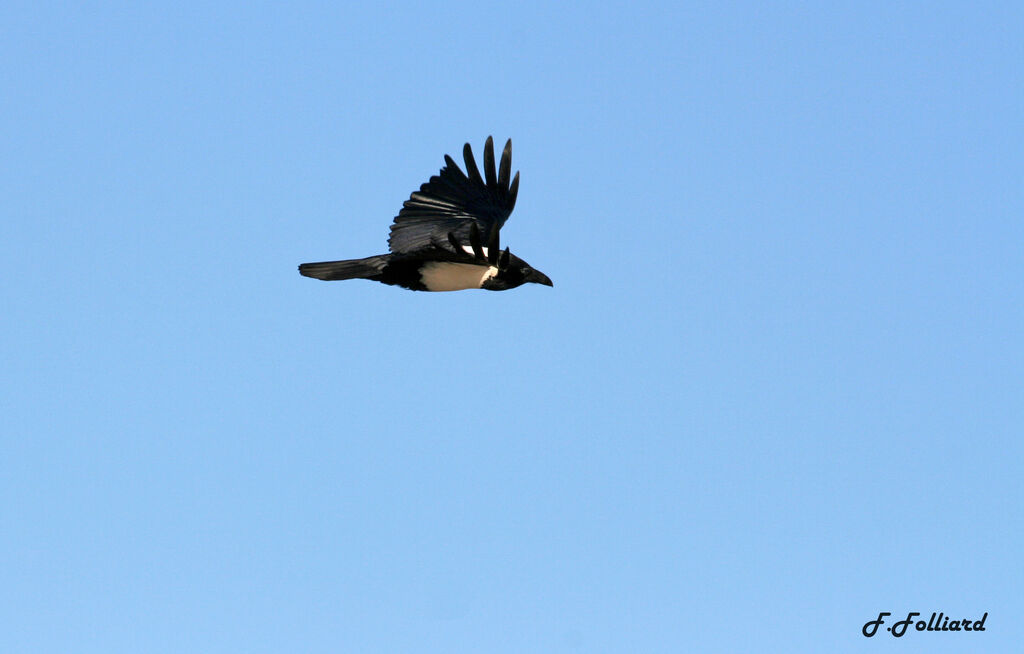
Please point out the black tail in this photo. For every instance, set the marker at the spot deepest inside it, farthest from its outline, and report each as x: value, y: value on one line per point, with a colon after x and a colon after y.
x: 368, y: 268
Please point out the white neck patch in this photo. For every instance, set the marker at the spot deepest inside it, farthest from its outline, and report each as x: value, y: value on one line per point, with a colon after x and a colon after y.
x: 447, y: 276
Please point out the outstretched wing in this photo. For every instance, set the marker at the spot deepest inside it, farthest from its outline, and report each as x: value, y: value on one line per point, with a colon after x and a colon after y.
x: 453, y: 203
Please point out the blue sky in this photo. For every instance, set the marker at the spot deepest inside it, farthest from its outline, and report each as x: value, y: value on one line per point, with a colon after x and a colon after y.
x: 775, y: 390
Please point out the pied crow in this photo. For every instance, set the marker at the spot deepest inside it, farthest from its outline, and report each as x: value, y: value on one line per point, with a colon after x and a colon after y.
x: 445, y: 238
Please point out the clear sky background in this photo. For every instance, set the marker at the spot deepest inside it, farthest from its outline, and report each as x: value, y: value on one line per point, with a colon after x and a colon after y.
x: 776, y: 389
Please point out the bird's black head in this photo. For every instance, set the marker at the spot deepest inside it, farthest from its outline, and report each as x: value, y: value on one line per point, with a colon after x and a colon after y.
x: 517, y: 273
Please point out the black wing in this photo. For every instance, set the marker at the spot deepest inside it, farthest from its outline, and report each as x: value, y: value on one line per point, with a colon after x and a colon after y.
x: 453, y: 202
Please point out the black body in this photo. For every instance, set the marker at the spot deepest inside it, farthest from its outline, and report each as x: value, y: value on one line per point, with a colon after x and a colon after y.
x: 446, y: 235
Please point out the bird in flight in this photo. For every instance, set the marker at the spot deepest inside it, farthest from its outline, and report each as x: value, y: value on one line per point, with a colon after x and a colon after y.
x: 445, y: 238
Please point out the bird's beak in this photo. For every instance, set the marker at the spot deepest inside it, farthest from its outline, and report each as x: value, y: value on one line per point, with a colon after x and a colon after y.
x: 537, y: 277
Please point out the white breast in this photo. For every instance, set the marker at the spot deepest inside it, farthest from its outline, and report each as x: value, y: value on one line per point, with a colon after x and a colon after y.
x: 446, y: 276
